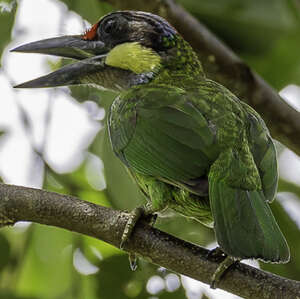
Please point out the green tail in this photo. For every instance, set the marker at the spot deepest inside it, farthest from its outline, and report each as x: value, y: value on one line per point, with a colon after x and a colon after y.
x: 244, y: 224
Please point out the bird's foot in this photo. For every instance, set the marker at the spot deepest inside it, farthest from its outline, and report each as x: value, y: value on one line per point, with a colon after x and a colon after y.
x: 222, y: 268
x: 144, y: 212
x: 134, y: 216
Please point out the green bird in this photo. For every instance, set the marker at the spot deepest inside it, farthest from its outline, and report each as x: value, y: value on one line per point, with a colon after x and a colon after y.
x: 189, y: 143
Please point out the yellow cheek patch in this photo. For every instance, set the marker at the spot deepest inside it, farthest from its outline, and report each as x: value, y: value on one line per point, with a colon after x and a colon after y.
x: 133, y: 57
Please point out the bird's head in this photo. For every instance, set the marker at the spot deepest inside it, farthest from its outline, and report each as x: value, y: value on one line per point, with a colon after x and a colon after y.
x: 123, y: 49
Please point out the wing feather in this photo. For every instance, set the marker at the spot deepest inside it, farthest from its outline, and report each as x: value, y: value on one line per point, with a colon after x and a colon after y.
x: 264, y: 154
x: 166, y: 137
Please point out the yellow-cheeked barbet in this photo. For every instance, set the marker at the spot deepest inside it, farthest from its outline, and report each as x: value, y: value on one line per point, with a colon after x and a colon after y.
x: 190, y: 144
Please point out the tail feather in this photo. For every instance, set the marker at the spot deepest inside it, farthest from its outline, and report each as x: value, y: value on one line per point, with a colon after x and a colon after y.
x: 244, y: 224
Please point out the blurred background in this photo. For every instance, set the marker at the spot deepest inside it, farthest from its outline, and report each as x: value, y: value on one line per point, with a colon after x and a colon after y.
x: 56, y: 139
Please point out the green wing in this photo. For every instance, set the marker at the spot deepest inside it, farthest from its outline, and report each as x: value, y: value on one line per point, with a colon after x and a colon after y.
x: 244, y: 224
x: 159, y: 132
x: 264, y: 153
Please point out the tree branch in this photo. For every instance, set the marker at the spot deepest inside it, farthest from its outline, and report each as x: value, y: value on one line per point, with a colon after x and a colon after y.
x: 27, y: 204
x: 223, y: 66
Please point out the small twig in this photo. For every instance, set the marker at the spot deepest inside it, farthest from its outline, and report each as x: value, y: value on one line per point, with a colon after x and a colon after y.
x: 27, y: 204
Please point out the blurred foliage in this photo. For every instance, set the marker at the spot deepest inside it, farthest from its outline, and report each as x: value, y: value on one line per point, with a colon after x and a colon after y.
x: 266, y: 34
x: 247, y: 26
x: 42, y: 262
x: 7, y: 16
x: 90, y: 10
x: 101, y: 147
x: 1, y: 134
x: 291, y: 232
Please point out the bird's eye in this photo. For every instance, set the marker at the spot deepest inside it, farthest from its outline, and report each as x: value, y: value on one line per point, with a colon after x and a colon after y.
x: 109, y: 26
x: 114, y: 26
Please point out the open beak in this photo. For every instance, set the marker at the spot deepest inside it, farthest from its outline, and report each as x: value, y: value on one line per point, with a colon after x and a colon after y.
x: 91, y: 56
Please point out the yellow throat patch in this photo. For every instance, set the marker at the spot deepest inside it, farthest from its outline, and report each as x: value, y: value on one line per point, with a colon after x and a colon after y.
x: 134, y: 57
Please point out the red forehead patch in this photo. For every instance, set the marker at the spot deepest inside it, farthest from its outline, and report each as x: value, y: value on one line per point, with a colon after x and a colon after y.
x: 91, y: 33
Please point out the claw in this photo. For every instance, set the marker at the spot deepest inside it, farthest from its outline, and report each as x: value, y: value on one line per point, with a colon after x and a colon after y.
x: 222, y: 268
x: 132, y: 261
x: 134, y: 216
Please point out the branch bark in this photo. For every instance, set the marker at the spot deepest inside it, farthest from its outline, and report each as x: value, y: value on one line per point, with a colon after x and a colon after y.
x: 225, y: 67
x: 27, y: 204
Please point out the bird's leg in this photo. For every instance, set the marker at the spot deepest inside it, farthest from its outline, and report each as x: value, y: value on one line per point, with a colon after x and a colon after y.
x: 147, y: 212
x: 218, y: 255
x: 222, y: 268
x: 158, y: 195
x: 134, y: 216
